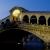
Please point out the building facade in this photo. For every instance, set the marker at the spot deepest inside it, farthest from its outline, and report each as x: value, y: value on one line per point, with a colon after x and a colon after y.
x: 32, y: 17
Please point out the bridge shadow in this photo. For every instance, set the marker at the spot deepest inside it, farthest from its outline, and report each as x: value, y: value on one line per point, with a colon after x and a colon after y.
x: 20, y: 39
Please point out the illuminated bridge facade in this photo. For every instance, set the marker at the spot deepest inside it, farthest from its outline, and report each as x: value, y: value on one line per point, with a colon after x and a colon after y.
x: 36, y: 22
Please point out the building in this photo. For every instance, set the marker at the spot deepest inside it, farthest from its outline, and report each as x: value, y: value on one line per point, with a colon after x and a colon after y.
x: 34, y: 17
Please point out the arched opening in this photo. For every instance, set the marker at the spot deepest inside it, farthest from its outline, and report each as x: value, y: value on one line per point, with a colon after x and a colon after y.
x: 20, y: 38
x: 26, y: 19
x: 49, y: 22
x: 2, y: 25
x: 42, y: 20
x: 7, y: 23
x: 33, y: 20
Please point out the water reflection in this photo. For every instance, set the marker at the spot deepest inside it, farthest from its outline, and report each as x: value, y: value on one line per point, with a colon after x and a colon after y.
x: 32, y: 43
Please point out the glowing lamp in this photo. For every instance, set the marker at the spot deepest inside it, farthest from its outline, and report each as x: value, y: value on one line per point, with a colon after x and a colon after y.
x: 16, y: 13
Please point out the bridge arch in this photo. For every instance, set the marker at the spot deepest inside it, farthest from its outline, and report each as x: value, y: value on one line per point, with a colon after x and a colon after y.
x: 33, y: 37
x: 16, y: 35
x: 26, y: 18
x: 42, y: 20
x: 49, y: 21
x: 33, y: 19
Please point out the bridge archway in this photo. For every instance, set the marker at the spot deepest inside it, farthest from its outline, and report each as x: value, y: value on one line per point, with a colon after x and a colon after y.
x: 26, y: 19
x: 49, y: 21
x: 42, y: 20
x: 16, y: 36
x: 33, y: 20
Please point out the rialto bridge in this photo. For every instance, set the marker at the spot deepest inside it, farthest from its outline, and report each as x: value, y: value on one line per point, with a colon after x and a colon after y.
x: 36, y: 22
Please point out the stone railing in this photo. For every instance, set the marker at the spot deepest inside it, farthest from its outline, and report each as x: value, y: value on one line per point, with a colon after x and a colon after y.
x: 35, y: 27
x: 41, y: 30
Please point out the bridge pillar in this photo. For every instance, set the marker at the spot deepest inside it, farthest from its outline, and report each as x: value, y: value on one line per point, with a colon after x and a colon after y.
x: 29, y: 20
x: 37, y: 20
x: 46, y: 22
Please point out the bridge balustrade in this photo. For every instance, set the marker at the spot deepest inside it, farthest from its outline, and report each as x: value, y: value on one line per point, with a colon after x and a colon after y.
x: 35, y: 27
x: 40, y: 30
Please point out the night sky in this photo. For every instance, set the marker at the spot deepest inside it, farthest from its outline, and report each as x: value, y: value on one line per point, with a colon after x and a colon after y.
x: 32, y: 5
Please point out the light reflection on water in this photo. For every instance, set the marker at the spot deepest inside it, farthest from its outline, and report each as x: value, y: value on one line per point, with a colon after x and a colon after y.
x: 33, y: 43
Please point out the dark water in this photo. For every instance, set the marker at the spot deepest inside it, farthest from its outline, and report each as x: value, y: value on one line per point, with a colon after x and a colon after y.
x: 11, y: 38
x: 34, y: 44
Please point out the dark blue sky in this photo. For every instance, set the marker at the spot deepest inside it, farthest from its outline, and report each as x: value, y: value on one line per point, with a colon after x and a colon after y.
x: 33, y: 5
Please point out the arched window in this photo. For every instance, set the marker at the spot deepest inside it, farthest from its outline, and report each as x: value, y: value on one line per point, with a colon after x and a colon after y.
x: 33, y: 20
x: 2, y: 25
x: 26, y: 19
x: 7, y: 23
x: 49, y: 22
x: 42, y: 20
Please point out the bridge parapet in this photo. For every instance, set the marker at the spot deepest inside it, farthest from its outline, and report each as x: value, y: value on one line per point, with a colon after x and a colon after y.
x: 41, y: 31
x: 35, y: 27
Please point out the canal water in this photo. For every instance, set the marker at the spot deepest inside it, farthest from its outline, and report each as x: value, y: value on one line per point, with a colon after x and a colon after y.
x: 22, y: 40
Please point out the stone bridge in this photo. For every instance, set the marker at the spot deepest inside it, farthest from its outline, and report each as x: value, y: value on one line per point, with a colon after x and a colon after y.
x: 41, y: 31
x: 38, y: 23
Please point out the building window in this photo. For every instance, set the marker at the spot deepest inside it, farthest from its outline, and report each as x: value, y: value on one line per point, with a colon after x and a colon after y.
x: 42, y: 20
x: 26, y: 19
x: 49, y: 22
x: 33, y: 20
